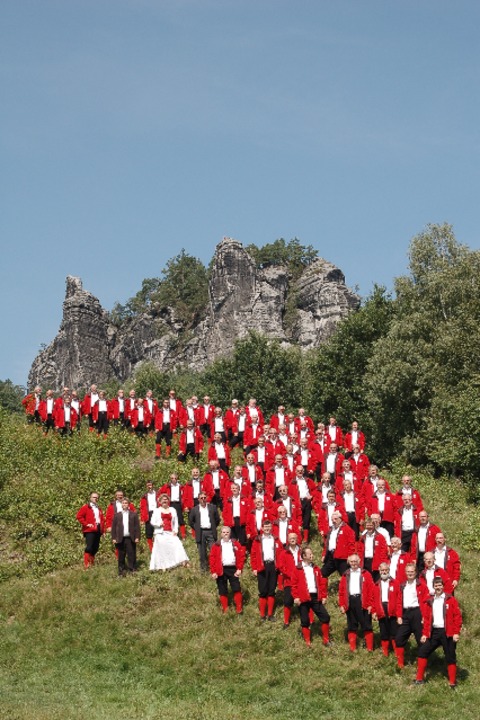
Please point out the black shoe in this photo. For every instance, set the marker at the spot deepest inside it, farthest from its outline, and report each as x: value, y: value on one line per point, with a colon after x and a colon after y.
x: 453, y: 686
x: 263, y: 619
x: 419, y: 682
x: 272, y: 618
x: 286, y: 626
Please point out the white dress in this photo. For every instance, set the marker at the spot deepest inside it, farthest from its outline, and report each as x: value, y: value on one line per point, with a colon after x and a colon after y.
x: 168, y: 551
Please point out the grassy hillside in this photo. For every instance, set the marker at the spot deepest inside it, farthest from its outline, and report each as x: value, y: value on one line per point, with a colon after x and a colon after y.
x: 80, y: 645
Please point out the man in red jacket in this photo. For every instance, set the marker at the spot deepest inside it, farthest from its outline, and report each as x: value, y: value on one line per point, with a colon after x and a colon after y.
x: 339, y: 545
x: 265, y: 562
x: 442, y: 624
x: 309, y: 590
x: 384, y: 607
x: 30, y: 403
x: 410, y: 597
x: 90, y: 517
x: 355, y: 598
x: 227, y: 558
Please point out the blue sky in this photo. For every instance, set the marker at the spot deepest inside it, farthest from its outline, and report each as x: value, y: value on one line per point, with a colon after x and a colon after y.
x: 131, y: 129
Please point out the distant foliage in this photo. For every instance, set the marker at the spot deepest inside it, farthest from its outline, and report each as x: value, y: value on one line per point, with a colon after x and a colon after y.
x: 183, y: 286
x: 295, y: 256
x: 261, y: 368
x: 11, y: 396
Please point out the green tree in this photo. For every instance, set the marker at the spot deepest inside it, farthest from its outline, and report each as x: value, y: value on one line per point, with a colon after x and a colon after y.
x: 11, y: 396
x: 335, y: 372
x: 430, y: 351
x: 258, y: 367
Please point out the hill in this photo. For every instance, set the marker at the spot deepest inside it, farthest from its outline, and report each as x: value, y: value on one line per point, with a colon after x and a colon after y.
x: 79, y: 645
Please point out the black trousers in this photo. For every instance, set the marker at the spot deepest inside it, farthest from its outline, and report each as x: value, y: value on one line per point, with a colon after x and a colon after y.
x: 267, y: 580
x: 102, y: 423
x: 92, y: 541
x: 228, y: 577
x: 178, y: 509
x: 388, y: 625
x: 332, y: 564
x: 126, y: 549
x: 306, y: 513
x: 206, y: 541
x: 411, y: 623
x: 357, y: 616
x: 165, y: 434
x: 239, y: 532
x: 318, y: 608
x: 406, y: 540
x: 436, y: 639
x: 189, y: 452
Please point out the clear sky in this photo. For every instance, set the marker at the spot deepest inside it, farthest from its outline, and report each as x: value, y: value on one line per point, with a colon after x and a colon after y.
x: 130, y: 129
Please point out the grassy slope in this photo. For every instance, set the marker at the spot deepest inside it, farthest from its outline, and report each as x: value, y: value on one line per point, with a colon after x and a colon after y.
x: 78, y: 645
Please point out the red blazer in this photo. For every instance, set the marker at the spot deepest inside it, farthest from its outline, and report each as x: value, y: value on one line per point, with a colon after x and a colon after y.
x: 429, y: 542
x: 275, y: 421
x: 215, y: 559
x: 86, y: 405
x: 392, y: 599
x: 338, y: 435
x: 398, y: 520
x: 447, y: 583
x: 251, y: 434
x: 380, y: 550
x: 246, y: 477
x: 204, y: 416
x: 270, y: 479
x: 292, y: 527
x: 288, y: 565
x: 452, y: 564
x: 347, y: 441
x: 42, y: 410
x: 167, y: 490
x: 113, y: 411
x: 183, y: 417
x: 390, y: 507
x: 223, y: 481
x: 346, y: 544
x: 308, y: 422
x: 360, y: 466
x: 359, y: 505
x: 230, y: 419
x: 198, y: 441
x: 259, y: 414
x: 212, y: 430
x: 188, y: 500
x: 147, y: 418
x: 227, y: 512
x: 295, y: 511
x: 29, y: 403
x: 86, y: 517
x: 144, y: 504
x: 252, y: 530
x: 322, y: 518
x: 256, y: 556
x: 59, y: 417
x: 416, y: 500
x: 422, y: 594
x: 159, y: 420
x: 451, y: 613
x: 366, y: 590
x: 369, y: 489
x: 212, y: 453
x: 400, y: 575
x: 272, y: 449
x: 313, y: 459
x: 154, y: 409
x: 300, y: 589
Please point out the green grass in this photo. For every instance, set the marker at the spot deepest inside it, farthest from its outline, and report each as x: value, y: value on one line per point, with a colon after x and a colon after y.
x: 82, y: 645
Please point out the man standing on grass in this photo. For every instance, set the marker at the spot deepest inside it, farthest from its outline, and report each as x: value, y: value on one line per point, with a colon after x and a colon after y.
x: 90, y: 516
x: 126, y: 536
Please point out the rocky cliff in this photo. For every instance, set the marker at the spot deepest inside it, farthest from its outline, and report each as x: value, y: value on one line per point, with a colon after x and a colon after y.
x: 242, y: 297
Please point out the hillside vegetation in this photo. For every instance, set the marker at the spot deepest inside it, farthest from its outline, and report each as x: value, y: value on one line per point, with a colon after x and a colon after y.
x: 79, y: 645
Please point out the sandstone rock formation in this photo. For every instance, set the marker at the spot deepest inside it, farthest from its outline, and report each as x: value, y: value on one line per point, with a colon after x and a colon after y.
x: 90, y: 348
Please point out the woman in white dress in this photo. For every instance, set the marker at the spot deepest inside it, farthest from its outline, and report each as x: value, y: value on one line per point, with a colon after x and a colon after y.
x: 168, y: 551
